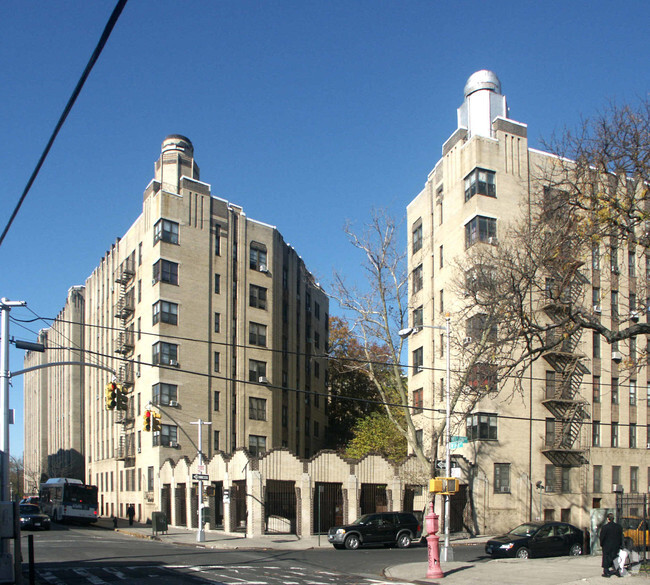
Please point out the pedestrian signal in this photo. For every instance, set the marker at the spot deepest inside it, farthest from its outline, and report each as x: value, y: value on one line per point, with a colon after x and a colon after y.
x: 443, y: 485
x: 147, y: 420
x: 156, y: 425
x: 111, y: 395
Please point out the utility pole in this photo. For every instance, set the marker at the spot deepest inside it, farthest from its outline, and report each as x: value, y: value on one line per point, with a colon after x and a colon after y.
x: 200, y: 534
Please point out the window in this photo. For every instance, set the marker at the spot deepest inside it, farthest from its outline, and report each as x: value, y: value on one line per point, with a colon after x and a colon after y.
x: 216, y: 400
x: 257, y: 297
x: 165, y: 353
x: 632, y: 392
x: 439, y: 199
x: 215, y: 440
x: 442, y: 256
x: 598, y: 479
x: 418, y: 360
x: 480, y: 182
x: 595, y: 433
x: 256, y: 408
x: 217, y: 239
x: 417, y: 236
x: 549, y: 478
x: 614, y: 429
x: 478, y: 326
x: 501, y: 478
x: 167, y: 437
x: 256, y: 370
x: 217, y: 359
x: 165, y: 271
x: 217, y: 284
x: 482, y: 427
x: 616, y: 474
x: 632, y: 429
x: 419, y: 437
x: 480, y: 229
x: 150, y: 475
x: 549, y: 436
x: 316, y: 339
x: 257, y: 334
x: 614, y: 304
x: 140, y: 254
x: 614, y: 390
x: 285, y: 416
x: 417, y: 278
x: 550, y: 383
x: 613, y: 259
x: 595, y: 298
x: 417, y: 400
x: 596, y: 344
x: 258, y: 257
x: 163, y: 394
x: 165, y: 312
x: 418, y: 319
x: 631, y: 264
x: 165, y: 230
x: 316, y: 429
x: 595, y: 390
x: 256, y: 445
x: 566, y: 479
x: 595, y: 257
x: 634, y: 480
x: 217, y: 322
x: 307, y: 426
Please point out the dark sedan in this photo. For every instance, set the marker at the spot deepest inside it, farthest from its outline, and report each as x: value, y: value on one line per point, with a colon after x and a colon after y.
x: 534, y: 539
x: 32, y: 518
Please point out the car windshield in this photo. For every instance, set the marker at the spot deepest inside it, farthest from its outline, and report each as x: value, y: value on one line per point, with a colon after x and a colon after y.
x: 29, y: 509
x: 524, y: 530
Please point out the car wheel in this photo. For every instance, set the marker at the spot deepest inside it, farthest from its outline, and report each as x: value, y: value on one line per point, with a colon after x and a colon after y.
x: 575, y: 550
x: 523, y: 553
x: 352, y: 542
x: 404, y: 540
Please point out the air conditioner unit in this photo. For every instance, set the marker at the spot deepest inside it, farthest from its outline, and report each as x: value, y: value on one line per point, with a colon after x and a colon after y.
x: 263, y: 268
x: 505, y: 489
x: 634, y: 316
x: 616, y: 270
x: 173, y: 363
x: 617, y: 356
x: 648, y: 446
x: 467, y: 341
x: 493, y: 240
x: 153, y: 281
x: 173, y: 444
x: 173, y: 403
x: 617, y: 488
x: 598, y: 309
x: 263, y: 380
x: 139, y: 449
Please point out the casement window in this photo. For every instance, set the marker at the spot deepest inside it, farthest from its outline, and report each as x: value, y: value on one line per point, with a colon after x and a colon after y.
x: 257, y: 297
x: 256, y: 370
x: 418, y: 360
x: 165, y: 312
x: 480, y: 229
x: 480, y: 182
x: 417, y: 278
x: 165, y: 271
x: 257, y: 334
x: 167, y: 437
x: 164, y: 354
x: 418, y: 318
x: 163, y: 394
x: 165, y: 230
x: 416, y: 236
x: 258, y: 257
x: 501, y: 478
x: 256, y: 445
x: 256, y: 408
x: 482, y: 426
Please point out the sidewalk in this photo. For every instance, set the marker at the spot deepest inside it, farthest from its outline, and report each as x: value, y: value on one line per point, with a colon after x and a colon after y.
x: 583, y: 570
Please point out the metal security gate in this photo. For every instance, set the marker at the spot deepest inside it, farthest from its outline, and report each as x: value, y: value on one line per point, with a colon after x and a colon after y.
x: 280, y: 507
x: 327, y: 506
x: 457, y: 505
x: 238, y: 505
x: 194, y: 502
x: 180, y: 504
x: 373, y: 498
x: 409, y: 498
x: 633, y: 514
x: 166, y: 502
x: 215, y: 502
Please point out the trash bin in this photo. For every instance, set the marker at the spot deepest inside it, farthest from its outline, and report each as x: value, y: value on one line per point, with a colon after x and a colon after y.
x: 158, y: 522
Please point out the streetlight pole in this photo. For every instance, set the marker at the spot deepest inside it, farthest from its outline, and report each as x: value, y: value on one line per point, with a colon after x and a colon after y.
x: 200, y: 534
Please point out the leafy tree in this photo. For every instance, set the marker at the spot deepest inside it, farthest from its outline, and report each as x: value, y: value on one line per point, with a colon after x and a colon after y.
x: 376, y: 433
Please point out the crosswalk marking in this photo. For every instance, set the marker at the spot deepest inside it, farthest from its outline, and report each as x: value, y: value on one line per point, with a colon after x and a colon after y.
x: 91, y: 578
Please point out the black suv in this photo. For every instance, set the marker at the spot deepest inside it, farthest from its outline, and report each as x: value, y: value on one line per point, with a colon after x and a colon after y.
x: 399, y: 528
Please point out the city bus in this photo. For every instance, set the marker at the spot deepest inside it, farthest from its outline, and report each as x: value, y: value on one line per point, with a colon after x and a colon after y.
x: 66, y: 499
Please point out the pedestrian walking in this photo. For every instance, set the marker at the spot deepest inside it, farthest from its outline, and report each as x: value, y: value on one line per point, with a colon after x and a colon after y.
x: 130, y: 512
x: 611, y: 541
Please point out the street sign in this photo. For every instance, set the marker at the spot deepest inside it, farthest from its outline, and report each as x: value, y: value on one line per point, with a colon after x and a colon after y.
x: 200, y: 468
x: 440, y: 464
x: 201, y: 476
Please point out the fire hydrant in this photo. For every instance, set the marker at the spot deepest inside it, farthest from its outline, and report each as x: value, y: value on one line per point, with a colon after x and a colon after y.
x: 433, y: 544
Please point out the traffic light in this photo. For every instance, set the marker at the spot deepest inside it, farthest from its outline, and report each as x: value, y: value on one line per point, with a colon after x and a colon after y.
x: 443, y: 485
x: 156, y: 425
x: 122, y: 398
x: 147, y: 420
x: 111, y: 395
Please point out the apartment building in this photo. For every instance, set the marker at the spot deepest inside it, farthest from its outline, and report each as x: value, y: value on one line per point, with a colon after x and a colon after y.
x: 576, y: 432
x: 204, y: 315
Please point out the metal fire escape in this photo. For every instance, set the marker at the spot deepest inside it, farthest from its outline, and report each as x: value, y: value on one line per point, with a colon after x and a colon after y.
x: 124, y: 345
x: 563, y: 399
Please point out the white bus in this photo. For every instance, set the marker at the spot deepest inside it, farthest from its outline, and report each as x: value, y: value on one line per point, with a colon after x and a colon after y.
x: 63, y: 498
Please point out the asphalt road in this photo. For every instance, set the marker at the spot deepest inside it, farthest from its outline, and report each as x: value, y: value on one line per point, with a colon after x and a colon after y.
x: 74, y: 555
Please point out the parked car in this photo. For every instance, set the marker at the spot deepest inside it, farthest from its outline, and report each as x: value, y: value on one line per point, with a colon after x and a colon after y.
x: 535, y: 539
x: 636, y: 529
x: 31, y: 500
x: 392, y: 528
x: 32, y: 517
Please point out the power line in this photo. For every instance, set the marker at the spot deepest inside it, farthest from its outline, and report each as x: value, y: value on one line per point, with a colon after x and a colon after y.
x: 73, y: 98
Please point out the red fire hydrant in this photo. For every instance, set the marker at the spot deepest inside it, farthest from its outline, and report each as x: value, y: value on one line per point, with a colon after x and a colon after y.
x: 433, y: 543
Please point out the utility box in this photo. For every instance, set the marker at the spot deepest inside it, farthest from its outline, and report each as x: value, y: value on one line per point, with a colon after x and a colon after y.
x: 158, y: 522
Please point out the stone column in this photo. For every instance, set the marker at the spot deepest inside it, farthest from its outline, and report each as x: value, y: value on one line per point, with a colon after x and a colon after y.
x: 254, y: 506
x: 305, y: 505
x: 352, y: 487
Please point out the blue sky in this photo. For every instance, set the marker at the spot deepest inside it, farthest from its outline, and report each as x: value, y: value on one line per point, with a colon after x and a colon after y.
x: 307, y: 113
